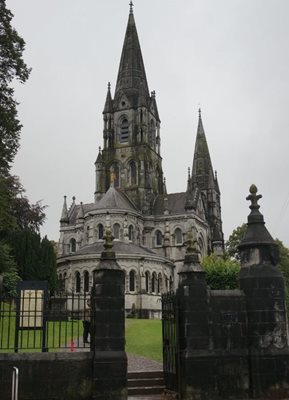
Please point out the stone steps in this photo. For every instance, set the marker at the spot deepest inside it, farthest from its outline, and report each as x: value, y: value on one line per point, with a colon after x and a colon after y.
x: 145, y: 383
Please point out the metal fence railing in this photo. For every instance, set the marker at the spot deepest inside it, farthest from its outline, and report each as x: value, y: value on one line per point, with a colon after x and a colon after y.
x: 170, y: 321
x: 34, y: 322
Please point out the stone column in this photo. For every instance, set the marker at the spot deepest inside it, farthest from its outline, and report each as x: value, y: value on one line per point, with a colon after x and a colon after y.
x: 107, y: 335
x: 263, y: 285
x: 193, y: 325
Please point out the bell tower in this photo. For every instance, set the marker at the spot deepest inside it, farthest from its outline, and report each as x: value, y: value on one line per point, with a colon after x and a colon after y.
x: 131, y: 128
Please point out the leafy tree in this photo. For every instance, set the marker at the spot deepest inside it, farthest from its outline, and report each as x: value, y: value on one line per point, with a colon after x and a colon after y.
x: 284, y: 267
x: 234, y: 240
x: 20, y: 221
x: 10, y: 280
x: 221, y: 273
x: 12, y: 66
x: 7, y: 262
x: 35, y: 258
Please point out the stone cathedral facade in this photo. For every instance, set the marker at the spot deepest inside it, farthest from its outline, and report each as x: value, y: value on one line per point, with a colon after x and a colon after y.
x: 149, y: 225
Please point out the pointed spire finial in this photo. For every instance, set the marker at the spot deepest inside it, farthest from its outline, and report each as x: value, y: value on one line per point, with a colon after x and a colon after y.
x: 108, y: 86
x: 254, y: 197
x: 99, y: 149
x: 153, y: 94
x: 200, y: 112
x: 189, y: 173
x: 131, y: 7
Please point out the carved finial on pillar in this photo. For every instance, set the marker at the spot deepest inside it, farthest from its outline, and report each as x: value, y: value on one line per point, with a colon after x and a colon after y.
x: 254, y: 197
x: 192, y: 243
x: 108, y: 240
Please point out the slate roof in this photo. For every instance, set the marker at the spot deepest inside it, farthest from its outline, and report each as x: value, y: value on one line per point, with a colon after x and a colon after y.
x: 113, y: 199
x: 118, y: 247
x: 176, y: 203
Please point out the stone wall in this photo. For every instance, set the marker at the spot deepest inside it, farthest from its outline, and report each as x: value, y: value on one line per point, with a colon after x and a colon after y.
x: 48, y: 376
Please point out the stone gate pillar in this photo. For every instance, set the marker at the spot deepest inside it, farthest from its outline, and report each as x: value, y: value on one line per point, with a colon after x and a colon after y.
x: 194, y: 337
x: 263, y: 285
x: 107, y: 334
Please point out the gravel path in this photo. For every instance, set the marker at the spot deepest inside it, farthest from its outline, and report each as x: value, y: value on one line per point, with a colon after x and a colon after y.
x: 137, y: 364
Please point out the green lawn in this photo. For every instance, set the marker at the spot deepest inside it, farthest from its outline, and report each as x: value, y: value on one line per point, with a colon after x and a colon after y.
x: 144, y: 338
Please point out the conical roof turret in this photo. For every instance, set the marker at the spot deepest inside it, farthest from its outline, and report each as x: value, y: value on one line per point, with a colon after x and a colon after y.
x: 99, y: 159
x: 64, y: 214
x: 131, y: 79
x: 80, y: 214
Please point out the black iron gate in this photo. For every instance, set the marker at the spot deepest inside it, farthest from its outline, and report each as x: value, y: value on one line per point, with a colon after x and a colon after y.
x: 170, y: 341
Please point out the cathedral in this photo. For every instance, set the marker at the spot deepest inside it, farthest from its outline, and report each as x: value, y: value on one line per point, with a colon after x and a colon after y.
x: 150, y: 226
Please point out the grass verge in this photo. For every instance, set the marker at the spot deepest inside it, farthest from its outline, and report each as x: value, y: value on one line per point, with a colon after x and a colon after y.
x: 144, y: 338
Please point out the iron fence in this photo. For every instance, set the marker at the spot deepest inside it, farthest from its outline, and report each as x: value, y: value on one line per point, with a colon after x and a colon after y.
x: 35, y: 322
x: 170, y: 341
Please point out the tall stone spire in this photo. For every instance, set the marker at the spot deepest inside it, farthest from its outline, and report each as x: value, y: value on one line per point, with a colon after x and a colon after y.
x: 204, y: 178
x: 131, y: 80
x: 202, y: 170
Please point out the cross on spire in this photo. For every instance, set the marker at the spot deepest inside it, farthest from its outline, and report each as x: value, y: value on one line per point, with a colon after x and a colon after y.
x: 131, y: 7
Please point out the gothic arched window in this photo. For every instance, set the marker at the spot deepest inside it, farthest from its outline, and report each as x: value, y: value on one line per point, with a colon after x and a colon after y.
x: 116, y: 231
x: 154, y: 282
x: 132, y: 281
x: 178, y: 236
x: 100, y: 231
x: 201, y: 246
x: 64, y: 281
x: 159, y: 283
x: 158, y: 238
x: 132, y: 170
x: 147, y: 277
x: 130, y: 232
x: 77, y: 282
x: 123, y: 137
x: 171, y: 283
x: 86, y: 281
x: 151, y: 133
x: 72, y: 246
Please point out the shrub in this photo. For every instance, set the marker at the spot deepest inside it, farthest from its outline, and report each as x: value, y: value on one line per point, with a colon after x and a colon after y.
x: 221, y: 273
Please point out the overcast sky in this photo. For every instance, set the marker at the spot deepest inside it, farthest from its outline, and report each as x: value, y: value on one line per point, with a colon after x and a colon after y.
x: 229, y: 56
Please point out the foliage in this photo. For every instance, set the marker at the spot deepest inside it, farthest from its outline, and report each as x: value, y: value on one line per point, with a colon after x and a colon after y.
x: 221, y: 273
x: 8, y: 270
x: 234, y: 240
x: 7, y: 262
x: 20, y: 220
x: 35, y: 258
x: 12, y: 66
x: 10, y: 280
x: 150, y: 332
x: 284, y: 267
